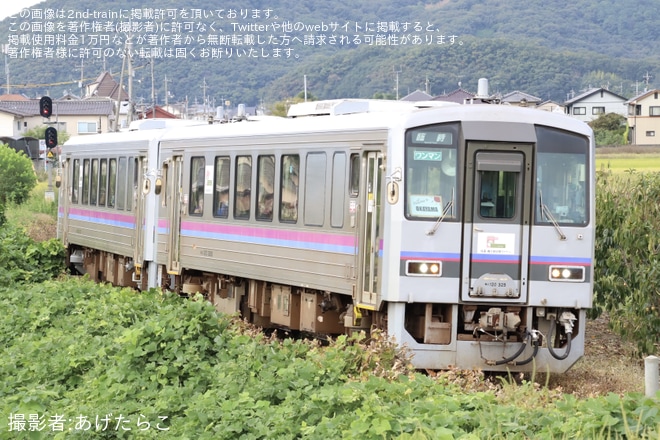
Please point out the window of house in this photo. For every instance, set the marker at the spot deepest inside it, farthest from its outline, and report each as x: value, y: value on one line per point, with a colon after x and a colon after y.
x: 86, y: 127
x: 579, y: 110
x: 654, y: 111
x: 650, y: 133
x: 598, y: 111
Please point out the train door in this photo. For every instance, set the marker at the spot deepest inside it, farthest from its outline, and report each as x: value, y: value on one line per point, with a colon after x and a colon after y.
x: 138, y: 182
x: 174, y: 206
x: 497, y: 219
x: 370, y: 229
x: 67, y: 188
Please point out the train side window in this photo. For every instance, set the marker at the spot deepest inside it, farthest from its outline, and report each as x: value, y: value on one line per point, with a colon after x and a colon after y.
x: 221, y: 187
x: 94, y: 183
x: 266, y: 188
x: 112, y: 182
x: 103, y: 183
x: 132, y: 176
x: 243, y: 187
x: 315, y: 185
x: 289, y: 188
x: 75, y: 180
x: 85, y: 185
x: 121, y: 183
x: 337, y: 205
x: 355, y: 175
x: 197, y: 170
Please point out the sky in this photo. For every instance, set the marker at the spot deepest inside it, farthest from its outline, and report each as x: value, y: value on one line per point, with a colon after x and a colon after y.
x: 10, y: 7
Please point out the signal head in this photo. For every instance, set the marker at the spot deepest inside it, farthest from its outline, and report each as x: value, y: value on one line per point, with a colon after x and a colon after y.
x: 46, y: 106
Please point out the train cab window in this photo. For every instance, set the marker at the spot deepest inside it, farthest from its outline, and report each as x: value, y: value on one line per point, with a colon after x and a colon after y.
x: 221, y: 187
x: 561, y: 178
x: 112, y: 182
x: 289, y: 188
x: 243, y: 187
x: 103, y: 183
x: 197, y: 174
x: 355, y: 175
x: 75, y: 177
x: 431, y: 172
x: 85, y: 185
x: 266, y: 188
x: 94, y: 183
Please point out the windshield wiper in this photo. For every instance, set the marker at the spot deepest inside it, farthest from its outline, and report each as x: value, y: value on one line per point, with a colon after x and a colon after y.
x: 547, y: 214
x: 446, y: 210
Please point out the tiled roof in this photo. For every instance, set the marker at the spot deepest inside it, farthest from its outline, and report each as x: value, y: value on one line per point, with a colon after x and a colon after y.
x: 592, y: 92
x: 417, y: 95
x: 517, y: 96
x: 458, y: 95
x: 64, y: 108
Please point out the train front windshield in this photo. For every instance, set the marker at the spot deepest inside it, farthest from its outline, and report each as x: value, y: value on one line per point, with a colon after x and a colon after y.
x: 561, y: 178
x: 431, y: 177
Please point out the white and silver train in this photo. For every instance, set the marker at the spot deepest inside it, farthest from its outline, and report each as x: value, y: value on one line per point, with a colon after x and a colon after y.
x: 464, y: 231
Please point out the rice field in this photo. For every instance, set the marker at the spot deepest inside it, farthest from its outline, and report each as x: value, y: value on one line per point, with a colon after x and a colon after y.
x: 628, y: 159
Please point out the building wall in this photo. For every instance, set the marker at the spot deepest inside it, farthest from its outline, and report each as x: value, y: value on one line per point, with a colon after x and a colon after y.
x: 610, y: 104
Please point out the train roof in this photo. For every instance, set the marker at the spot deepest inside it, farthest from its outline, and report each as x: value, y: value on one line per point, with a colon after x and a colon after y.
x: 402, y: 117
x: 345, y: 117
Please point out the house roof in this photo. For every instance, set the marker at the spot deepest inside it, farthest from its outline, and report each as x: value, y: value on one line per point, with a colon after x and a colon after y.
x: 518, y: 96
x: 105, y: 86
x: 458, y: 95
x: 64, y: 108
x: 417, y: 95
x: 590, y: 92
x: 13, y: 97
x: 641, y: 96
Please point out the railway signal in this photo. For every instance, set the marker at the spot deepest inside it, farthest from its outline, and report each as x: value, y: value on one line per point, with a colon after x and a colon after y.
x: 46, y: 106
x: 51, y: 138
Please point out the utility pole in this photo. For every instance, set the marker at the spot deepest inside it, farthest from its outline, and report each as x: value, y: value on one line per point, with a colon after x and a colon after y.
x: 166, y: 92
x: 396, y: 72
x: 5, y: 49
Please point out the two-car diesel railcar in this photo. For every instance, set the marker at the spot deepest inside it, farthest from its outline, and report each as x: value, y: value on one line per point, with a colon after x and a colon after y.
x: 466, y: 231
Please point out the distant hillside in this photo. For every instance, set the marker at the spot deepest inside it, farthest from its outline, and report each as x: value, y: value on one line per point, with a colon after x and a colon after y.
x: 549, y: 50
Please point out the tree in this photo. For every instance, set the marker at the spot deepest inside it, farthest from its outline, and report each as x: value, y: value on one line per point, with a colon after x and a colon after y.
x: 40, y: 133
x: 17, y: 177
x: 609, y: 129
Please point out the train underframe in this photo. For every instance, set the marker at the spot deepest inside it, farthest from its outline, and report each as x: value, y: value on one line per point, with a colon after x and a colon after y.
x: 295, y: 308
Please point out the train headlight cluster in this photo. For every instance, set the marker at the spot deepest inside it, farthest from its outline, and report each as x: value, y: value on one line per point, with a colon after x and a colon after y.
x: 424, y: 268
x: 567, y: 273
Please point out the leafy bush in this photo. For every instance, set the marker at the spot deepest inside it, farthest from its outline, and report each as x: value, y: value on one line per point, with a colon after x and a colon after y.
x: 627, y: 270
x: 17, y: 176
x: 24, y: 260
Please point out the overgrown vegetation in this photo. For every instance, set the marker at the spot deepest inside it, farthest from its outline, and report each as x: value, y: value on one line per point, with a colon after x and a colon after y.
x: 627, y: 270
x: 158, y: 366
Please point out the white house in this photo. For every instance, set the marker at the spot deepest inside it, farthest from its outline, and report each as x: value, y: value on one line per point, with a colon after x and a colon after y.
x: 594, y: 102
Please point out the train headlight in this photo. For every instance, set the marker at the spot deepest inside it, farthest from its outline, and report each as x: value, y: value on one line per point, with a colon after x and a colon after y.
x: 424, y: 268
x: 567, y: 273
